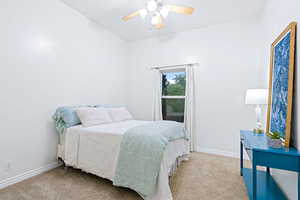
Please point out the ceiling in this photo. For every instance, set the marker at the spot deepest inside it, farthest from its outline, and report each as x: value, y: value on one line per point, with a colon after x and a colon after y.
x: 108, y: 13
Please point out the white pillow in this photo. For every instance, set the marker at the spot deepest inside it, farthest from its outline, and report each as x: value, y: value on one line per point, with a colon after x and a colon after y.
x: 119, y: 114
x: 93, y: 116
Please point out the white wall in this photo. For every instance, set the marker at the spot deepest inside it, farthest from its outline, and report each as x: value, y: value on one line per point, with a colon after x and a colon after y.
x: 276, y: 16
x: 229, y: 65
x: 50, y: 56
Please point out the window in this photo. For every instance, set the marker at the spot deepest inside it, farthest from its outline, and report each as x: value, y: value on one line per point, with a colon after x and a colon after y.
x: 173, y: 95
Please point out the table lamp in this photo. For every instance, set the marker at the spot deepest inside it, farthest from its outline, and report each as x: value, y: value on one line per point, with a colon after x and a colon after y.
x: 258, y: 97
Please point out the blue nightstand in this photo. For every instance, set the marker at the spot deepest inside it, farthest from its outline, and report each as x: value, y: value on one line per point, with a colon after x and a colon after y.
x: 260, y: 184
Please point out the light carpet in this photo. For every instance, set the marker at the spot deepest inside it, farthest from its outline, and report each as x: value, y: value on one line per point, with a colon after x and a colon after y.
x: 202, y: 177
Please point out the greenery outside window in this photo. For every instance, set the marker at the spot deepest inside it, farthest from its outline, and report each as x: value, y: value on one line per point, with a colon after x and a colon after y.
x: 173, y: 95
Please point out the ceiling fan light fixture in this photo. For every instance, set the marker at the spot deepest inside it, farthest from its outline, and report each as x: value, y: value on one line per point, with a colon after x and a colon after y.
x: 143, y: 13
x: 151, y: 5
x: 164, y: 11
x: 156, y: 19
x: 158, y: 12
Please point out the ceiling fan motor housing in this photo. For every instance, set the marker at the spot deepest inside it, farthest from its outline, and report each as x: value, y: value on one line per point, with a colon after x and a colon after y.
x: 154, y: 5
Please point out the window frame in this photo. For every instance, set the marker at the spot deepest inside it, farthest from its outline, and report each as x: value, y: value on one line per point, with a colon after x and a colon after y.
x: 172, y: 97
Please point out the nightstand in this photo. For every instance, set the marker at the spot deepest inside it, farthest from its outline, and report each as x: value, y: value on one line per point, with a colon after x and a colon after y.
x: 260, y: 184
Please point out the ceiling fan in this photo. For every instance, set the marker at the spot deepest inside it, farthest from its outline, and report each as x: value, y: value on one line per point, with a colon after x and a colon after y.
x: 158, y: 11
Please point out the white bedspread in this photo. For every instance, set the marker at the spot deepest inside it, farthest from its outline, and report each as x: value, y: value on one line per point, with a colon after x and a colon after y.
x: 95, y: 150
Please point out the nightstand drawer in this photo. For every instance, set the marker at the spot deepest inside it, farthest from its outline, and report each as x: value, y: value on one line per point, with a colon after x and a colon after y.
x: 276, y: 160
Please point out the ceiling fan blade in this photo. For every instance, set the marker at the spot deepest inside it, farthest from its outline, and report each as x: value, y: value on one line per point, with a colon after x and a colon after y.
x: 181, y: 9
x: 128, y: 17
x: 159, y: 26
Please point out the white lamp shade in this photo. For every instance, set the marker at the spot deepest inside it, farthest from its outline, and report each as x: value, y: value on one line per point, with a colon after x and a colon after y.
x: 156, y: 19
x: 257, y: 96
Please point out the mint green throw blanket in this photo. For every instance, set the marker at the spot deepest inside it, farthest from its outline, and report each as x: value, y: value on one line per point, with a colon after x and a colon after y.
x: 141, y: 153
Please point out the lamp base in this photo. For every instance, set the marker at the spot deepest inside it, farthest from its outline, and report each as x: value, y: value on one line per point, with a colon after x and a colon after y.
x: 258, y: 130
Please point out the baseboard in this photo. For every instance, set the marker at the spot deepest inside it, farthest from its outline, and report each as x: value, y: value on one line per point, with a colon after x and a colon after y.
x: 28, y: 174
x: 221, y: 153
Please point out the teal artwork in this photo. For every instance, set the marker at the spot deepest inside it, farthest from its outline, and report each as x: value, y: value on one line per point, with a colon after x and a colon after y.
x: 280, y: 83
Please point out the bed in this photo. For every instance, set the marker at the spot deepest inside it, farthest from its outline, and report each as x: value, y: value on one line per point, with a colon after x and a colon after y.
x: 96, y: 150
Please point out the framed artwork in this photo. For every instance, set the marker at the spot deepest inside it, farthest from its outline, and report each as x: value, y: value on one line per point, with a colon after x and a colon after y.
x: 281, y: 82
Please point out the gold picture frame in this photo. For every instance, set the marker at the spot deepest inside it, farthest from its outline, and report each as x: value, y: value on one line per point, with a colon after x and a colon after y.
x: 281, y: 84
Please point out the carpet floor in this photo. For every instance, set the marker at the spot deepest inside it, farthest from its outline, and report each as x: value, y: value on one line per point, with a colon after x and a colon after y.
x: 202, y: 177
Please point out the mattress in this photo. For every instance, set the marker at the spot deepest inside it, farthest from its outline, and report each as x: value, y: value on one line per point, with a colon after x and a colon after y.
x: 95, y: 150
x: 106, y: 136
